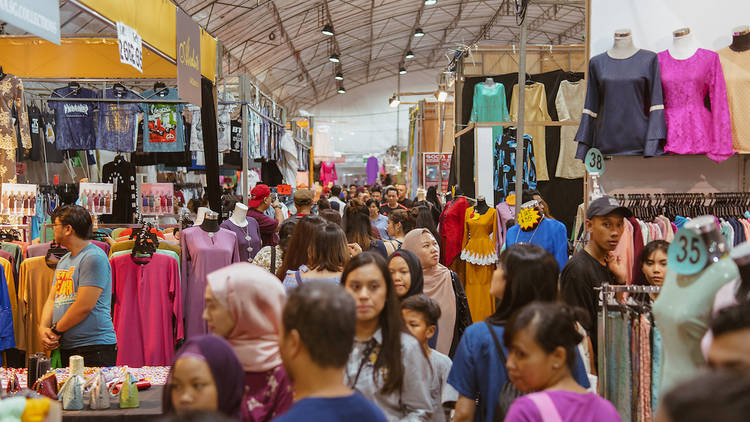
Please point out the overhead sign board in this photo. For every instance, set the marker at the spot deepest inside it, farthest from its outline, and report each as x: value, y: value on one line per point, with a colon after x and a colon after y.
x: 39, y: 17
x: 188, y: 59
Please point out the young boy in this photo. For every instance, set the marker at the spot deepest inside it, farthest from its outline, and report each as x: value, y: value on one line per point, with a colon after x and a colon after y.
x: 421, y: 314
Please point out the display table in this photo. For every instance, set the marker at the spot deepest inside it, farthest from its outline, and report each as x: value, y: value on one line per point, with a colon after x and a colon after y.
x: 150, y: 409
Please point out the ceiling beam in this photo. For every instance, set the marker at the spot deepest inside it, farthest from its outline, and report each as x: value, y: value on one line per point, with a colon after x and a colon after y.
x: 448, y: 29
x: 372, y: 38
x: 294, y: 51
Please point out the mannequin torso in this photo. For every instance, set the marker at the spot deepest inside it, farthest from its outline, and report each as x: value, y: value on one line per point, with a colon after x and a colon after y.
x: 239, y: 215
x: 741, y: 39
x: 489, y: 83
x: 623, y: 47
x: 684, y: 45
x: 481, y: 206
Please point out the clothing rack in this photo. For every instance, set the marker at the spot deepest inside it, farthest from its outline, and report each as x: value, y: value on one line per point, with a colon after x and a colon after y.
x: 113, y: 100
x: 720, y: 204
x: 608, y: 292
x: 24, y: 227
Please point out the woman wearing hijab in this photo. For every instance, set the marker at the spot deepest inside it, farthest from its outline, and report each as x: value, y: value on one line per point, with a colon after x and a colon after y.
x: 203, y: 378
x: 243, y: 305
x: 443, y: 285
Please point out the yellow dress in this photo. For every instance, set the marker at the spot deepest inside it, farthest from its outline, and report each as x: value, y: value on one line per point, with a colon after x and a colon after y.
x: 479, y: 252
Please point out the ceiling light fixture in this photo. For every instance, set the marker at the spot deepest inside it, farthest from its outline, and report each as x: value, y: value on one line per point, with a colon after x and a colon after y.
x: 409, y: 55
x: 339, y: 76
x: 327, y: 30
x: 341, y: 90
x: 335, y: 58
x: 402, y: 70
x: 418, y: 32
x: 430, y: 2
x: 394, y: 101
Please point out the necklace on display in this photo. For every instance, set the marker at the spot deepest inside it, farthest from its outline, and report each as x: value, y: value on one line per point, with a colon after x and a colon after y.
x: 248, y: 238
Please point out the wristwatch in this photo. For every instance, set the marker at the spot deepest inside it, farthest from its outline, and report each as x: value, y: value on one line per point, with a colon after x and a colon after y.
x: 53, y: 328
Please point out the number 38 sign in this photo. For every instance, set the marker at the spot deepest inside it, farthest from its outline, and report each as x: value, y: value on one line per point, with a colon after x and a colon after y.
x: 594, y: 162
x: 687, y: 253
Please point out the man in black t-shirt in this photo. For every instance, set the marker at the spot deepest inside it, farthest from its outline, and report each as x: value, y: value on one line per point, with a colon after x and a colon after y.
x: 596, y: 263
x: 402, y: 199
x: 391, y: 204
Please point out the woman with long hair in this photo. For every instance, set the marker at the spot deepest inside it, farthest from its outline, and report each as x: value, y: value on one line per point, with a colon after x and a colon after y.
x: 406, y: 272
x: 358, y: 228
x: 271, y: 257
x: 387, y: 365
x: 298, y: 250
x: 378, y: 220
x: 443, y: 285
x: 652, y: 268
x: 525, y: 273
x: 327, y: 256
x: 398, y: 226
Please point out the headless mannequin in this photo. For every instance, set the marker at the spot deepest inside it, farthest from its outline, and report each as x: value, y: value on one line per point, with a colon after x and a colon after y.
x: 683, y: 46
x: 489, y: 83
x: 481, y: 206
x: 239, y: 215
x: 210, y: 222
x: 741, y: 39
x: 623, y: 47
x: 200, y: 215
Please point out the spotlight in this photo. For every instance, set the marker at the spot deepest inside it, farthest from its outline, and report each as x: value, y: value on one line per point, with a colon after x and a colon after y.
x: 418, y: 32
x: 394, y: 101
x: 341, y: 90
x: 402, y: 70
x: 334, y: 58
x: 409, y: 55
x: 430, y: 2
x: 339, y: 76
x: 327, y: 30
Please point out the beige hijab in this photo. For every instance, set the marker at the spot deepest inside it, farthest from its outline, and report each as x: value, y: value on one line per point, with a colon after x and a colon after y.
x: 437, y: 285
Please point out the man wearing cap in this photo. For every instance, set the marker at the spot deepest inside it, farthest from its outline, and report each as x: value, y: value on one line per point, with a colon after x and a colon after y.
x: 260, y: 200
x: 596, y: 263
x: 303, y: 201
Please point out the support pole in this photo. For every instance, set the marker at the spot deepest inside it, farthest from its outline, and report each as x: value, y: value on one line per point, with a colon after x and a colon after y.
x: 245, y: 147
x: 521, y: 117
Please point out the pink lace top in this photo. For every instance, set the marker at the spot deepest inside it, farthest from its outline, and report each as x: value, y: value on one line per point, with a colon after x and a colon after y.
x: 691, y: 127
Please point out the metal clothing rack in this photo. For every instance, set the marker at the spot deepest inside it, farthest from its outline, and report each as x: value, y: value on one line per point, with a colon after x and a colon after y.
x: 24, y: 227
x: 608, y: 292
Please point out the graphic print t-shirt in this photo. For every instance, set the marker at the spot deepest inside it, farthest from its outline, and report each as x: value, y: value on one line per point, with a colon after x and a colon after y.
x: 163, y: 128
x: 89, y: 268
x: 74, y: 121
x: 117, y: 122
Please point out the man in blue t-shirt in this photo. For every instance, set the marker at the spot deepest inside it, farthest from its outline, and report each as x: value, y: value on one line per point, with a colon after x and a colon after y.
x: 319, y: 323
x: 76, y: 316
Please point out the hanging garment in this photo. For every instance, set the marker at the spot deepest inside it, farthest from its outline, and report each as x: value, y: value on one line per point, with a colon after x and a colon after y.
x: 11, y: 96
x: 624, y: 111
x: 682, y: 313
x: 480, y: 231
x: 248, y: 238
x: 624, y: 249
x: 569, y: 103
x: 36, y: 280
x: 74, y: 121
x: 202, y: 253
x: 122, y: 174
x: 288, y: 163
x: 490, y: 106
x: 549, y: 234
x: 7, y: 311
x: 372, y: 170
x: 452, y: 228
x: 736, y: 66
x: 224, y: 116
x: 328, y: 173
x: 233, y: 159
x: 505, y: 213
x: 117, y: 123
x: 147, y: 298
x: 691, y: 127
x: 505, y: 163
x: 43, y: 137
x: 163, y: 127
x: 535, y: 111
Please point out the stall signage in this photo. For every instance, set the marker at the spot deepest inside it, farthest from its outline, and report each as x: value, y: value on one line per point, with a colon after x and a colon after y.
x: 436, y: 169
x: 687, y: 253
x: 188, y: 58
x: 284, y: 189
x: 130, y: 45
x: 39, y: 17
x: 594, y: 162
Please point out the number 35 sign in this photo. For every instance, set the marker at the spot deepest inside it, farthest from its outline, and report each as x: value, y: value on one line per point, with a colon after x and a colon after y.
x: 594, y: 162
x: 687, y: 253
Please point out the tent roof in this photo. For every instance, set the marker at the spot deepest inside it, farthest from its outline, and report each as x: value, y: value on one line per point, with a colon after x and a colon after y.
x: 280, y: 44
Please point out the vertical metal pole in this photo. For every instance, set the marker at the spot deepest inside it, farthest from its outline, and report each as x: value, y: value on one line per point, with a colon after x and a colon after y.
x: 310, y: 127
x: 441, y: 122
x: 245, y: 147
x: 521, y: 116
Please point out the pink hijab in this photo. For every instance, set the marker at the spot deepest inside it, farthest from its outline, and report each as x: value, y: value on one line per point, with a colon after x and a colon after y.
x: 255, y: 299
x: 437, y: 285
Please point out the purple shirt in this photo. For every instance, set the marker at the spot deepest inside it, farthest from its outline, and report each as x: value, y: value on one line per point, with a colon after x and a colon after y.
x: 572, y: 407
x: 147, y: 299
x: 74, y: 121
x: 248, y: 237
x: 691, y: 127
x: 267, y: 227
x: 372, y: 170
x: 202, y: 254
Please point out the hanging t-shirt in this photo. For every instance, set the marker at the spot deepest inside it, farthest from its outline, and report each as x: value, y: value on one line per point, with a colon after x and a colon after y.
x: 196, y: 129
x: 43, y: 137
x: 74, y: 121
x: 117, y: 121
x: 549, y: 234
x: 223, y: 120
x: 163, y: 128
x: 624, y: 111
x: 233, y: 158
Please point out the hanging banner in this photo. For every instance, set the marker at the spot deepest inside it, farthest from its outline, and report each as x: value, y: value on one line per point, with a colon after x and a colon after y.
x: 18, y: 199
x: 157, y: 198
x: 188, y: 59
x: 96, y: 197
x: 436, y: 166
x: 39, y: 17
x: 130, y: 45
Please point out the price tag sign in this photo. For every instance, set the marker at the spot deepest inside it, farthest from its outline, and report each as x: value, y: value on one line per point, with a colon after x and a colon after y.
x: 594, y: 162
x: 284, y: 189
x: 529, y: 218
x: 687, y: 253
x: 130, y: 45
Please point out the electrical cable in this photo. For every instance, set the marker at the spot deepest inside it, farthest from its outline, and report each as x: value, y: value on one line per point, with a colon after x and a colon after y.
x: 521, y: 6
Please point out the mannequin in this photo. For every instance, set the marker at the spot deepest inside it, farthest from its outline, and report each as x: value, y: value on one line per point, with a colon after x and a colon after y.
x: 210, y: 222
x: 683, y: 46
x: 482, y: 206
x: 239, y: 215
x: 741, y: 38
x: 623, y: 47
x: 200, y: 215
x: 489, y: 83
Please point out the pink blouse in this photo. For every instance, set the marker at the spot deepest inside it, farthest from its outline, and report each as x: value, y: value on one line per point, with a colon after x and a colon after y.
x: 691, y: 127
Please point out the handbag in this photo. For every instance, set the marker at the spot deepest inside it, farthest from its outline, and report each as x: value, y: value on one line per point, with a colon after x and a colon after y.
x: 509, y: 392
x: 39, y: 364
x: 71, y: 393
x: 99, y: 392
x: 46, y: 385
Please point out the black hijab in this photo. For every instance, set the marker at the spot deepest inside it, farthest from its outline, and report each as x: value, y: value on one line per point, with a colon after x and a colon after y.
x: 415, y: 271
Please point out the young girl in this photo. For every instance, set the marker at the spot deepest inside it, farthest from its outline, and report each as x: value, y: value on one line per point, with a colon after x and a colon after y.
x: 387, y: 365
x: 653, y: 267
x: 542, y: 340
x: 406, y: 272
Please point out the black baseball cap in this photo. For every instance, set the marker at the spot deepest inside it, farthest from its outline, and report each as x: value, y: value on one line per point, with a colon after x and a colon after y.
x: 606, y: 205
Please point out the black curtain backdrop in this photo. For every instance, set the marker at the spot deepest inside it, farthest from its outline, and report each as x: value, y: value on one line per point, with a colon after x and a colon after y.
x: 210, y: 144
